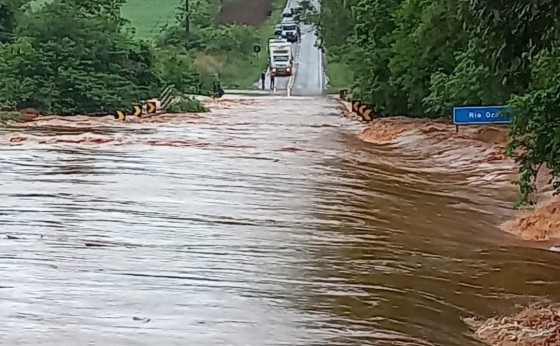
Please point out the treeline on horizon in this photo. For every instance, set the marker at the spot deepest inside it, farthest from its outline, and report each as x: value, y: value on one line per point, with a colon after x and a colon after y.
x: 421, y: 58
x: 78, y: 56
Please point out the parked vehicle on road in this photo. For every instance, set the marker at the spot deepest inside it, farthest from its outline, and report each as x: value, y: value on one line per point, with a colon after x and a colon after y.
x: 287, y: 14
x: 280, y: 57
x: 296, y: 14
x: 291, y: 31
x: 278, y: 30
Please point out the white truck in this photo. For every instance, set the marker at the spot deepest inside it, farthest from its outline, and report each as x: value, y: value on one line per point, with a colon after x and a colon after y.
x: 280, y: 56
x: 291, y: 31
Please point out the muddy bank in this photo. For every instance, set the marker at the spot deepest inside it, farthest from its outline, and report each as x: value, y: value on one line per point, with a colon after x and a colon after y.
x: 27, y: 114
x: 30, y: 117
x: 540, y: 224
x: 535, y: 325
x: 484, y: 145
x: 31, y: 128
x: 491, y: 140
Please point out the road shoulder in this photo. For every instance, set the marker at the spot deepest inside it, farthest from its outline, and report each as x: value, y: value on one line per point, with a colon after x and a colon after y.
x: 482, y: 145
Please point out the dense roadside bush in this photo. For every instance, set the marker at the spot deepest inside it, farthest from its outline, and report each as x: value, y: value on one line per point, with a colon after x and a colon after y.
x: 176, y: 67
x: 76, y: 56
x: 421, y: 58
x: 224, y: 50
x: 187, y: 105
x: 71, y: 57
x: 8, y: 12
x: 7, y: 117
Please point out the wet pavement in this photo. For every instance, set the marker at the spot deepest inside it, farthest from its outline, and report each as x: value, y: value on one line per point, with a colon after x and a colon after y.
x: 309, y: 77
x: 265, y: 222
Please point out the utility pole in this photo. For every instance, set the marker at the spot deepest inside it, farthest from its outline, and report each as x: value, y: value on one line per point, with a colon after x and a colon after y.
x: 187, y: 24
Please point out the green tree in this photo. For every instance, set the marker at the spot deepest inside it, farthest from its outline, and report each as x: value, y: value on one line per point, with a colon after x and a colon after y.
x: 235, y: 40
x: 335, y: 23
x: 73, y: 57
x: 223, y: 49
x: 375, y: 23
x: 106, y: 8
x: 9, y: 9
x: 426, y: 40
x: 535, y: 133
x: 201, y: 19
x: 15, y: 88
x: 176, y: 67
x: 423, y: 57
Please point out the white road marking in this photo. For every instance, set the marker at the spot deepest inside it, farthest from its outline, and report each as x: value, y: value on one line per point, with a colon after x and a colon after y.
x: 294, y: 70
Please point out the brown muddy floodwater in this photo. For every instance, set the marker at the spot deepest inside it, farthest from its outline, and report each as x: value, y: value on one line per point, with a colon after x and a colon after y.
x: 266, y: 222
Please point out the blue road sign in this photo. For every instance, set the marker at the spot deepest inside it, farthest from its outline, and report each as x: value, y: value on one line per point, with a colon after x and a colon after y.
x: 480, y: 115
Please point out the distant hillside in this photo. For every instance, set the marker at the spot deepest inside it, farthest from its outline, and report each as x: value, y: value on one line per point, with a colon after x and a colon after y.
x: 148, y: 16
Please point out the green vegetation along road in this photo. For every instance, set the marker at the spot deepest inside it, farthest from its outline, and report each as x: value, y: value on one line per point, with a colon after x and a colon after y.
x: 422, y: 58
x: 224, y: 50
x: 77, y: 57
x: 146, y: 17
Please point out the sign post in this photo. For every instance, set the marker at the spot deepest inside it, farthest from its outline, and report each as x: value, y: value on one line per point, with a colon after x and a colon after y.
x: 480, y: 115
x: 257, y: 49
x: 137, y: 110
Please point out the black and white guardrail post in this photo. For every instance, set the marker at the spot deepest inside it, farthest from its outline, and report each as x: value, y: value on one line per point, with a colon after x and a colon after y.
x: 149, y: 107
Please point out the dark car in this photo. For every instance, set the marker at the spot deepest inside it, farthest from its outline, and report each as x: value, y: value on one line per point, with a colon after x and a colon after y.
x: 287, y: 15
x: 278, y: 30
x: 291, y: 38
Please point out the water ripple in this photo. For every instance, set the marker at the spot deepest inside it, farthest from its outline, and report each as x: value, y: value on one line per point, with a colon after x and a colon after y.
x: 265, y: 222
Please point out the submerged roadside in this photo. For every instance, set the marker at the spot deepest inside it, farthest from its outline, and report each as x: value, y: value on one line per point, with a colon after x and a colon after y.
x: 396, y: 239
x: 439, y: 141
x: 24, y: 115
x: 479, y: 145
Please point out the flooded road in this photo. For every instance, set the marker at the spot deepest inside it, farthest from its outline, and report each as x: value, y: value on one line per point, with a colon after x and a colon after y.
x: 265, y: 223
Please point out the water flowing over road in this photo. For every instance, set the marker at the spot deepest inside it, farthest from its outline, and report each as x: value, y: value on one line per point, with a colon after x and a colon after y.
x: 265, y: 222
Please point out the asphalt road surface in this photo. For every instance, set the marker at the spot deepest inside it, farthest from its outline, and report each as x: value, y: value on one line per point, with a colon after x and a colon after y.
x: 309, y: 78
